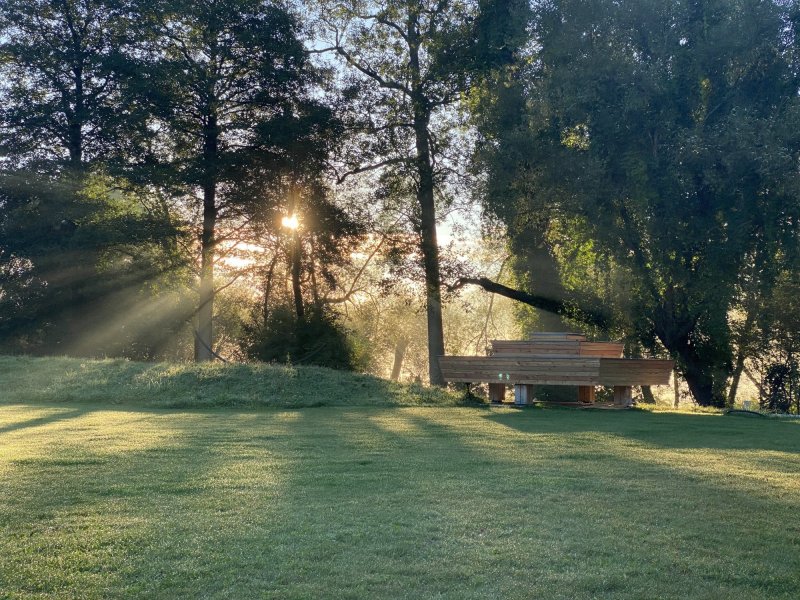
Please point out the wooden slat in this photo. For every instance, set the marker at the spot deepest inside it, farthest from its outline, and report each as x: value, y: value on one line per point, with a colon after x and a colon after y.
x: 632, y: 371
x: 527, y: 347
x: 562, y: 347
x: 556, y: 335
x: 609, y: 349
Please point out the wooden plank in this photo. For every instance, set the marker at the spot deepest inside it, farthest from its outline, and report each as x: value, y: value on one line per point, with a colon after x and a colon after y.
x: 565, y: 347
x: 556, y: 370
x: 586, y: 394
x: 497, y: 392
x: 623, y: 395
x: 608, y: 349
x: 554, y: 335
x: 571, y: 349
x: 632, y: 371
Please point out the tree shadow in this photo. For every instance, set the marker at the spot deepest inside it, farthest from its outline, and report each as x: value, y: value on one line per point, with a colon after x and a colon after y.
x: 664, y: 430
x: 252, y: 503
x: 55, y: 417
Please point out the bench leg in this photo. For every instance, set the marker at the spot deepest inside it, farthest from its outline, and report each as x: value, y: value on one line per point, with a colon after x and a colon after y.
x: 586, y: 394
x: 623, y: 395
x: 523, y: 394
x: 497, y: 392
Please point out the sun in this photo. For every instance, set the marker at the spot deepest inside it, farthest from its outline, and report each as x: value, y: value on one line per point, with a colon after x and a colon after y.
x: 290, y: 222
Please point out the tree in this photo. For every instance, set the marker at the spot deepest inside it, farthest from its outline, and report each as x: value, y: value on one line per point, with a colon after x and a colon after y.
x: 82, y: 257
x: 87, y: 270
x: 64, y: 73
x: 228, y: 83
x: 406, y: 75
x: 665, y: 133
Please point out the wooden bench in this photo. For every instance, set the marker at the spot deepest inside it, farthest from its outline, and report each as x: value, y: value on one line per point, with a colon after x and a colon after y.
x: 553, y: 359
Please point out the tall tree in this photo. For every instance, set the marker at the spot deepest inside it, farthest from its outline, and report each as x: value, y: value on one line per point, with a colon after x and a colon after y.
x: 79, y: 259
x: 63, y: 72
x: 405, y: 75
x: 225, y: 79
x: 666, y: 133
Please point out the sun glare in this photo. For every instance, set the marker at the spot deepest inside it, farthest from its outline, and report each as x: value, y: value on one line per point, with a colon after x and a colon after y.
x: 290, y: 222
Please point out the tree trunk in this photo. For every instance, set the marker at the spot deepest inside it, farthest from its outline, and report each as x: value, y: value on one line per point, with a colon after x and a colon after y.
x: 203, y: 346
x: 75, y: 123
x: 427, y: 216
x: 296, y: 289
x: 583, y: 315
x: 268, y: 287
x: 205, y: 313
x: 737, y: 375
x: 676, y: 390
x: 699, y: 380
x: 647, y: 395
x: 399, y: 355
x: 741, y: 355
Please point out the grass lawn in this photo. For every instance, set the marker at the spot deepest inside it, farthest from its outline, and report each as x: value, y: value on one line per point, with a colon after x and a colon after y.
x: 133, y: 500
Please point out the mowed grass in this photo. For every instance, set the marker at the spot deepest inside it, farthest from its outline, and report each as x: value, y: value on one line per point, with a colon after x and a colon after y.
x: 104, y: 493
x: 395, y: 502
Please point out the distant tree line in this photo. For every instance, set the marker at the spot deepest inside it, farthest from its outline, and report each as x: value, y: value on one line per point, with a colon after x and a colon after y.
x: 642, y: 157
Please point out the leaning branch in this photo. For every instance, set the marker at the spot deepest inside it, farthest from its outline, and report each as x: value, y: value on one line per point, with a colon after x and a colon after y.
x: 372, y: 167
x: 589, y: 317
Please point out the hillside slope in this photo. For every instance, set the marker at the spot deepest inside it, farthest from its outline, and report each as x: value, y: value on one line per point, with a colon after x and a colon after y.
x: 57, y: 379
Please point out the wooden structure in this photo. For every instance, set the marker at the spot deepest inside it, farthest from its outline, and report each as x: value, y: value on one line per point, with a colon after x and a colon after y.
x: 556, y: 359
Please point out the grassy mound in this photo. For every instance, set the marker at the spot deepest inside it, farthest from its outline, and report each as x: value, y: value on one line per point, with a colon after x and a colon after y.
x: 25, y: 379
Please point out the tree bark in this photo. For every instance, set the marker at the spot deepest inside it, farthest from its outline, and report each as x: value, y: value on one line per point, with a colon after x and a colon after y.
x: 296, y: 288
x: 268, y: 288
x: 737, y: 376
x: 75, y: 126
x: 698, y: 378
x: 399, y: 355
x: 205, y: 313
x: 676, y: 401
x: 429, y: 244
x: 741, y: 355
x: 647, y: 395
x: 204, y: 340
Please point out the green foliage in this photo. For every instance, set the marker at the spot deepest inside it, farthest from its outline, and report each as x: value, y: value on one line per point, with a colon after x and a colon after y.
x: 87, y: 269
x: 665, y: 134
x: 319, y: 338
x: 64, y: 74
x: 782, y: 388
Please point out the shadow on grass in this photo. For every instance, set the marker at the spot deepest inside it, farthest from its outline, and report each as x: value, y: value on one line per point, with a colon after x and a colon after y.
x: 665, y: 430
x: 395, y: 503
x: 61, y: 415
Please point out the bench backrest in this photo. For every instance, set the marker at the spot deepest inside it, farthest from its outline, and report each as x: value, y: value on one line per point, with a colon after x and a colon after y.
x: 543, y: 336
x: 557, y: 347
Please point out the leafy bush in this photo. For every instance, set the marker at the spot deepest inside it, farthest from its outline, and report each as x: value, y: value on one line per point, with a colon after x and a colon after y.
x: 317, y: 339
x: 781, y: 390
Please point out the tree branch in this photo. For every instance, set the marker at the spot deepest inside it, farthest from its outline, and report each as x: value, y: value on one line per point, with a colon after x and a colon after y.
x: 364, y: 169
x: 587, y: 316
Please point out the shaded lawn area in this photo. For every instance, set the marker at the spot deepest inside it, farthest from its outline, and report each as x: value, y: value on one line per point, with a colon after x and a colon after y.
x: 413, y: 502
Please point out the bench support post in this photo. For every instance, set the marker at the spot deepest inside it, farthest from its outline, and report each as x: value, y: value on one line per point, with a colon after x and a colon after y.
x: 523, y: 394
x: 497, y: 392
x: 623, y: 395
x: 586, y: 394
